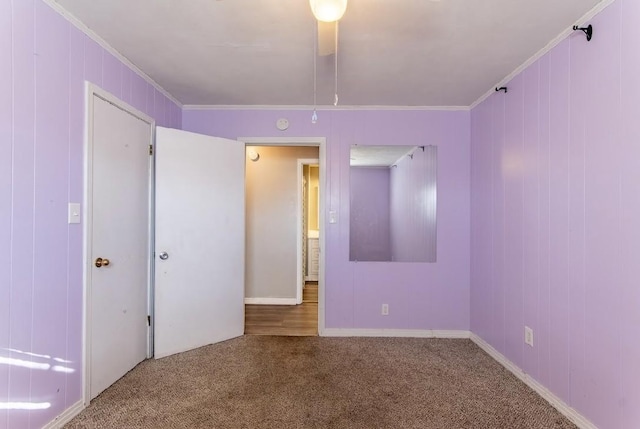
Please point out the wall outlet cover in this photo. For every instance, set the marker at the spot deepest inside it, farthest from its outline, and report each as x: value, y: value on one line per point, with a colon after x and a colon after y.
x: 528, y: 336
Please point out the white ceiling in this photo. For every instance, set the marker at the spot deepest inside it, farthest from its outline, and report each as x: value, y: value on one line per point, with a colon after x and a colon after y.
x: 391, y: 52
x: 378, y: 156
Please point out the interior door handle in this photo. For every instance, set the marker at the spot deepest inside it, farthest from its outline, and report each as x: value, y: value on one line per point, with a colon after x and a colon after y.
x: 102, y: 262
x: 164, y: 256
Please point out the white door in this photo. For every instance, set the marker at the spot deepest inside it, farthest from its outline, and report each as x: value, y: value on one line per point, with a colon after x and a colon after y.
x: 199, y: 241
x: 120, y: 249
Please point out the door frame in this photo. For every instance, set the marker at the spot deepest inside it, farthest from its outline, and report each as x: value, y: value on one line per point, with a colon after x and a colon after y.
x: 300, y: 233
x: 91, y: 91
x: 321, y: 144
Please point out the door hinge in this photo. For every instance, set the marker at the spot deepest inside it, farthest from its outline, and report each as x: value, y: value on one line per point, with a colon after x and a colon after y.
x: 148, y: 320
x: 150, y: 149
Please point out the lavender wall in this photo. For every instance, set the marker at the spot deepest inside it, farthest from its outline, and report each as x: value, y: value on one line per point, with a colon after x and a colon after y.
x: 420, y: 295
x: 369, y: 210
x: 555, y: 219
x: 413, y: 207
x: 44, y: 61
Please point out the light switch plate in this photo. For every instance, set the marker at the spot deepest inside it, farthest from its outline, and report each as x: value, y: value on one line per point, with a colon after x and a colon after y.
x: 74, y: 213
x: 333, y: 217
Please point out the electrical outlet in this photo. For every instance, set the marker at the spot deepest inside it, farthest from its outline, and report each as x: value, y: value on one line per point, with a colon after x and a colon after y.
x: 528, y: 336
x: 385, y: 309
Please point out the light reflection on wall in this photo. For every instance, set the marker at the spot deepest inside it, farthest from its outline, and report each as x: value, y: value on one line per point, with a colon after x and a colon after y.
x: 45, y: 366
x: 35, y: 362
x: 24, y: 363
x: 24, y: 405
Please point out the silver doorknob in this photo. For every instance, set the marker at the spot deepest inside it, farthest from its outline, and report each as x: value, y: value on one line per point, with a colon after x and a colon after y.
x: 164, y: 256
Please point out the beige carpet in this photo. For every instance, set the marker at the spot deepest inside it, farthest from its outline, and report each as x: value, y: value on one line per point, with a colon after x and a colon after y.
x: 315, y: 382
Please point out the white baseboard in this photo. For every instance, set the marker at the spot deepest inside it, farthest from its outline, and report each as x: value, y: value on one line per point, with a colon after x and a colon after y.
x: 406, y: 333
x: 66, y: 416
x: 271, y: 301
x: 570, y: 413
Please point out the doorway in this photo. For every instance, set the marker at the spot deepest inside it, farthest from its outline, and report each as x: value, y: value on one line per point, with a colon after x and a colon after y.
x: 278, y: 234
x: 309, y: 198
x: 171, y: 258
x: 309, y: 230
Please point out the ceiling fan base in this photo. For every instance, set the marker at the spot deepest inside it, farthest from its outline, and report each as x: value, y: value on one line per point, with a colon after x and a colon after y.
x: 326, y: 38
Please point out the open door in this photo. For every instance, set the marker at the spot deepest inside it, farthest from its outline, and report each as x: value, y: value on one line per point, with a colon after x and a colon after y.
x: 199, y: 240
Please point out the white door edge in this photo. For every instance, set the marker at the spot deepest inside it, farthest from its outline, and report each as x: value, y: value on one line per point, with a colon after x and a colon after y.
x: 91, y: 91
x: 300, y: 233
x: 152, y: 244
x: 321, y: 143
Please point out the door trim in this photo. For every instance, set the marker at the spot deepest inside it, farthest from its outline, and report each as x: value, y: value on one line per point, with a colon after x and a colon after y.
x: 321, y: 143
x: 92, y: 91
x: 300, y: 233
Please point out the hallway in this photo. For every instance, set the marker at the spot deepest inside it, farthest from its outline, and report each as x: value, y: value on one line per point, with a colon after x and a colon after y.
x: 285, y: 320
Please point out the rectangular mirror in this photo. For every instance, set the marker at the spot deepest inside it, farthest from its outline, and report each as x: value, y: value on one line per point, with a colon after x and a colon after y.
x: 393, y: 196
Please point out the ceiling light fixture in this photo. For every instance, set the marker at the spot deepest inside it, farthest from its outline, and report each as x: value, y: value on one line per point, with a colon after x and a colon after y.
x: 253, y: 154
x: 328, y: 10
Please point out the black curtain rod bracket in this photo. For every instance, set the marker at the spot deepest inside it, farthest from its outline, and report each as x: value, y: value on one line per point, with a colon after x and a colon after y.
x: 588, y: 30
x: 502, y: 88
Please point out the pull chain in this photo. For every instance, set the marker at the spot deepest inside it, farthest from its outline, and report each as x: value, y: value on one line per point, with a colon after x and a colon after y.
x: 314, y: 117
x: 335, y: 101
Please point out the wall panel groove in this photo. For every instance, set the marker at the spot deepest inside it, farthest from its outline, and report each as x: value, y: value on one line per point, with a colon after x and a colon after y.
x: 41, y: 156
x: 579, y: 224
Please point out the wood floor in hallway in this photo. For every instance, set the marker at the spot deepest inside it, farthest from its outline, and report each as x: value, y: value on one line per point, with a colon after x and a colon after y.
x: 285, y: 320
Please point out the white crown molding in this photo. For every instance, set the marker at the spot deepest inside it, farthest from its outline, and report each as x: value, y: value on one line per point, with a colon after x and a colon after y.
x: 552, y: 44
x: 271, y: 301
x: 542, y: 52
x: 570, y: 413
x: 66, y: 416
x: 400, y: 333
x: 319, y: 108
x: 100, y: 41
x: 283, y: 141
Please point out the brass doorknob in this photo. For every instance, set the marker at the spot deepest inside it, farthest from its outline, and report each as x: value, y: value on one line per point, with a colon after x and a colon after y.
x: 102, y: 262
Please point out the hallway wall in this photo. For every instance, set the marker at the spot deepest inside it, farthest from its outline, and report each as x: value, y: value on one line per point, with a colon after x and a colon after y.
x: 272, y: 215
